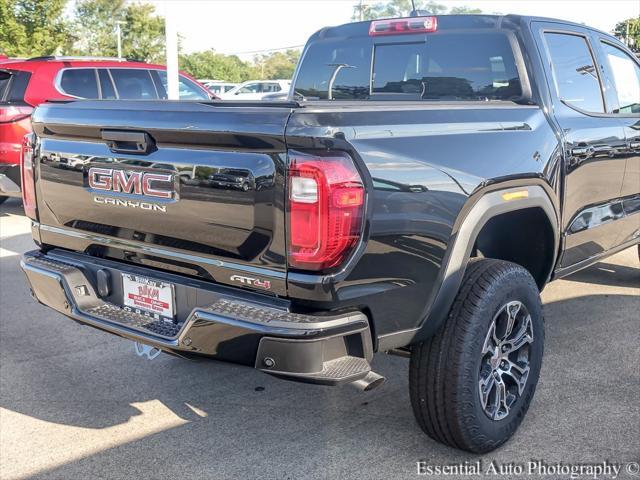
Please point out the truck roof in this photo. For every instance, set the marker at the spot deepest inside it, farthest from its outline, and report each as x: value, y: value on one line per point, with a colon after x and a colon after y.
x: 445, y: 22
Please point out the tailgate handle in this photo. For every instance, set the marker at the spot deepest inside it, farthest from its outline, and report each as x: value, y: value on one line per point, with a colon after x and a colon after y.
x: 120, y: 141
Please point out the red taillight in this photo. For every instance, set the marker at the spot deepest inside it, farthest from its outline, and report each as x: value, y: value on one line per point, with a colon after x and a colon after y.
x: 28, y: 185
x: 326, y: 203
x: 398, y: 26
x: 13, y: 113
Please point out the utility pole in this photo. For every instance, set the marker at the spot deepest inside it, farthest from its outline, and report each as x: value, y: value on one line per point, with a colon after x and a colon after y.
x: 171, y: 34
x: 119, y: 34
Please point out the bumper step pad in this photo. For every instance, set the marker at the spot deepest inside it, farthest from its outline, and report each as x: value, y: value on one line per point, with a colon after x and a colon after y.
x: 344, y: 368
x: 113, y: 313
x: 315, y: 348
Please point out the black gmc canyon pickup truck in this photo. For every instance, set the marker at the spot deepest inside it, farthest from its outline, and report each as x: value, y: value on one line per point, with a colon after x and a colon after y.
x: 424, y: 180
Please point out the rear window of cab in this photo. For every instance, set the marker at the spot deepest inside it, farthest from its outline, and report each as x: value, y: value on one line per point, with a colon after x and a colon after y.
x: 448, y: 66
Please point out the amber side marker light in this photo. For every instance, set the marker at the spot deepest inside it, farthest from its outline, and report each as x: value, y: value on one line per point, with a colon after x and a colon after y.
x: 507, y: 196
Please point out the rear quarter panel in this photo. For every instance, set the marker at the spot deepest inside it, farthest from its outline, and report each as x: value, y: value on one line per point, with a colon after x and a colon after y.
x: 423, y: 166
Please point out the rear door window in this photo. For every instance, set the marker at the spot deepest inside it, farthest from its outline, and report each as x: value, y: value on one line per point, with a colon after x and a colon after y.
x: 79, y: 82
x: 133, y: 84
x: 574, y: 71
x: 469, y: 66
x: 626, y: 78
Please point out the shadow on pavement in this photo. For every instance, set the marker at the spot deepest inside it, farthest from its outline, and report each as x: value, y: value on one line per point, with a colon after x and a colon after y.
x: 60, y: 372
x: 608, y: 274
x: 56, y: 371
x: 11, y: 206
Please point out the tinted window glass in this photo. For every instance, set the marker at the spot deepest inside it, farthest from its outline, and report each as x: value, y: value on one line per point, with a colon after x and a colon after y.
x: 80, y: 82
x: 348, y: 63
x: 626, y: 77
x: 18, y: 86
x: 4, y: 83
x: 469, y: 66
x: 575, y: 74
x: 108, y: 93
x: 187, y: 90
x: 133, y: 84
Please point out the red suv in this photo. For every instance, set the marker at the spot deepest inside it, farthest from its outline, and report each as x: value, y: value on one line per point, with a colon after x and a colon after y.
x: 24, y: 84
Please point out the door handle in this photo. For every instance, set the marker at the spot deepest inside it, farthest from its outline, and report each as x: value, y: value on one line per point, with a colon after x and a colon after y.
x: 122, y: 141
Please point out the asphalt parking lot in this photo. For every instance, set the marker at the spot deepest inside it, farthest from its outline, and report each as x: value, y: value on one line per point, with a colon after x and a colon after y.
x: 76, y: 403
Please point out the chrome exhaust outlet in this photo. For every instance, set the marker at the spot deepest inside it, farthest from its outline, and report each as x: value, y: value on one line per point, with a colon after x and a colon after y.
x: 369, y: 382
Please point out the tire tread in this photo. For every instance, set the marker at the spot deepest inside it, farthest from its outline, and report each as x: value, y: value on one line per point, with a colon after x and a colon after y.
x: 435, y: 396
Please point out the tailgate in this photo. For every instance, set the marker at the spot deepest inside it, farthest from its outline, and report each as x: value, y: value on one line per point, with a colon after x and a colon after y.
x: 186, y: 187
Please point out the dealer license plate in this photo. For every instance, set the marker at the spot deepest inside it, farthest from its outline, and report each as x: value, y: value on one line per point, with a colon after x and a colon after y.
x: 145, y: 295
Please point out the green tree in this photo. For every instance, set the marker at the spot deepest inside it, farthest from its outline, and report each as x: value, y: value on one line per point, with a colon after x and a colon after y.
x: 12, y: 33
x: 402, y: 8
x: 32, y: 27
x: 95, y: 26
x: 396, y: 8
x: 464, y: 10
x: 209, y: 64
x: 629, y: 32
x: 142, y: 32
x: 277, y: 65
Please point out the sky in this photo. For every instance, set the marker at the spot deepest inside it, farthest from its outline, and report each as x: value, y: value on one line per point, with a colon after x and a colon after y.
x: 247, y: 27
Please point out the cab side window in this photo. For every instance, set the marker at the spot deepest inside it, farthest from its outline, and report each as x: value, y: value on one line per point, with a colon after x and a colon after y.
x: 574, y: 71
x: 626, y: 78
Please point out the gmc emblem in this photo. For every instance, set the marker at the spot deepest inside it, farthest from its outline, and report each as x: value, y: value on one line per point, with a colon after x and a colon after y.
x: 157, y: 185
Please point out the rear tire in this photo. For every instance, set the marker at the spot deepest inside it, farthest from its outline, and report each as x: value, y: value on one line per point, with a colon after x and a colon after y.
x: 470, y: 386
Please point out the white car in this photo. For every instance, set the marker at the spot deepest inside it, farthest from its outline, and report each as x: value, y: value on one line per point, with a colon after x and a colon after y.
x: 256, y: 89
x: 218, y: 87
